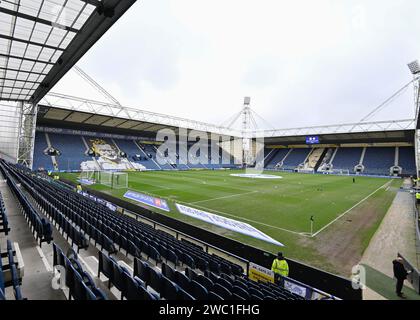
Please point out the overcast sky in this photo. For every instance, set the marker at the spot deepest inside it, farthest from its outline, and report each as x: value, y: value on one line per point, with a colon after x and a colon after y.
x: 302, y: 62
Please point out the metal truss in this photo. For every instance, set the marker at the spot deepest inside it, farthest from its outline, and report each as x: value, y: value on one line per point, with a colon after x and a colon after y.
x: 26, y: 138
x: 405, y: 124
x: 76, y: 104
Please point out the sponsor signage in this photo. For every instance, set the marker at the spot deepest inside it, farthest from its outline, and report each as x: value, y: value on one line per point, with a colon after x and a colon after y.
x: 295, y: 288
x: 91, y: 134
x: 258, y: 273
x: 312, y: 139
x: 230, y: 224
x: 148, y: 200
x: 111, y: 207
x: 256, y: 176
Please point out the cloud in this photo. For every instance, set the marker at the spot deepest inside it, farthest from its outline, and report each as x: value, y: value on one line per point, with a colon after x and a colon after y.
x: 303, y: 62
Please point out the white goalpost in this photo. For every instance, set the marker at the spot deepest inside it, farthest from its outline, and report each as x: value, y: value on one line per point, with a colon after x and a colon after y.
x: 115, y: 180
x: 341, y: 171
x: 305, y: 170
x: 112, y: 179
x: 87, y: 176
x: 119, y: 180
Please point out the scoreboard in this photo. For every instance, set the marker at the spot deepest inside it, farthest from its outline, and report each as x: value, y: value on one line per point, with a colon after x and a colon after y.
x: 312, y: 139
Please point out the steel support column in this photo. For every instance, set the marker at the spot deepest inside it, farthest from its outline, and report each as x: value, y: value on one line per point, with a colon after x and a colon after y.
x: 26, y: 139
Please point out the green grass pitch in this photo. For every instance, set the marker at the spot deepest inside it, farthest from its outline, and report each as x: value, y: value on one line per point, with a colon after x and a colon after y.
x: 280, y: 208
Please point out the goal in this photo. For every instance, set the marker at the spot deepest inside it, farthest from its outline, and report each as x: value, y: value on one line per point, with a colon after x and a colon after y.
x: 305, y: 170
x: 87, y: 176
x: 341, y: 171
x: 119, y: 180
x: 115, y: 180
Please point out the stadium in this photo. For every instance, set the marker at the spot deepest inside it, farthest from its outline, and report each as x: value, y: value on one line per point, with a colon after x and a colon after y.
x: 99, y: 201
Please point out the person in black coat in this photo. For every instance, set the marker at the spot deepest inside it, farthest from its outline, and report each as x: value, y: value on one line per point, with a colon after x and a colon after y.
x: 400, y: 273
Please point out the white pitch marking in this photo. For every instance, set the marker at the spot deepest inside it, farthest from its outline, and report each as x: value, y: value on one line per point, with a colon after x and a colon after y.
x: 245, y: 219
x: 44, y: 259
x: 225, y: 197
x: 348, y: 210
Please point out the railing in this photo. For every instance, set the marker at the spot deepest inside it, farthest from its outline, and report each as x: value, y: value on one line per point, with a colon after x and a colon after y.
x: 417, y: 223
x: 414, y: 276
x: 303, y: 275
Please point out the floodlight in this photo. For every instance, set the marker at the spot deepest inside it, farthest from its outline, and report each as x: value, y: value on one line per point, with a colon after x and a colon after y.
x: 414, y: 67
x: 247, y: 100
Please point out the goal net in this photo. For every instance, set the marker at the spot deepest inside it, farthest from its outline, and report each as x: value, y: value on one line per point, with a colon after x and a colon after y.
x: 305, y: 170
x: 105, y: 178
x: 119, y: 180
x: 115, y: 180
x: 87, y: 176
x: 341, y: 171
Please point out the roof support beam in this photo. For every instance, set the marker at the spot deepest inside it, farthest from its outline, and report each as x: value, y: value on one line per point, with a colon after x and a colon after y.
x: 24, y: 58
x: 9, y: 87
x: 93, y: 29
x: 16, y: 80
x: 36, y: 19
x: 2, y: 36
x: 17, y: 70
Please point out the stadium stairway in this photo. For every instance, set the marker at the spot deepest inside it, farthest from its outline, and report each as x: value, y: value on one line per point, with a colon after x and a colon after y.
x: 72, y: 151
x: 33, y: 281
x: 41, y: 161
x: 166, y: 268
x: 315, y: 158
x: 296, y: 157
x: 276, y: 157
x: 151, y: 151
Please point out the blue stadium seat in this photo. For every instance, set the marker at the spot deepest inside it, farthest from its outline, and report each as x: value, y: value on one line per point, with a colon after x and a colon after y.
x: 198, y: 291
x: 169, y: 290
x: 222, y: 291
x: 214, y: 296
x: 205, y: 282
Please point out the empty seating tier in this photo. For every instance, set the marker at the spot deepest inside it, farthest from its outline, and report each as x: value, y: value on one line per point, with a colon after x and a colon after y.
x: 295, y: 158
x: 109, y: 228
x: 347, y: 158
x: 379, y: 160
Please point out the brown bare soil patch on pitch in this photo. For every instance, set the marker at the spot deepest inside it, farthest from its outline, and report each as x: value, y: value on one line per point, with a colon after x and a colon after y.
x: 342, y: 244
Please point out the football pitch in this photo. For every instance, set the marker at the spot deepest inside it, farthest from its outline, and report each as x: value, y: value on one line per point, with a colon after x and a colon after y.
x: 281, y: 208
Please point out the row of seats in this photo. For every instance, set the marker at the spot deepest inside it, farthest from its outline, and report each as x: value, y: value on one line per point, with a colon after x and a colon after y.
x: 4, y: 223
x: 15, y: 280
x: 134, y: 288
x: 68, y: 230
x: 80, y: 284
x: 75, y: 231
x: 139, y: 239
x: 227, y: 287
x: 41, y: 228
x: 377, y: 160
x: 131, y: 235
x: 73, y: 153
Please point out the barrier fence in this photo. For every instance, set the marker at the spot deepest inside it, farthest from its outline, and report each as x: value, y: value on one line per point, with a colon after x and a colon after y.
x: 303, y: 275
x: 414, y: 276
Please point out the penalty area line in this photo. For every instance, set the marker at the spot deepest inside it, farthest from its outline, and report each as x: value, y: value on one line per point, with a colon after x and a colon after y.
x: 348, y: 210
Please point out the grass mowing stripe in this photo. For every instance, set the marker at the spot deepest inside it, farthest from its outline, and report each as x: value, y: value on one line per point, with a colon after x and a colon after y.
x: 348, y: 210
x: 245, y: 219
x: 224, y: 197
x: 280, y: 209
